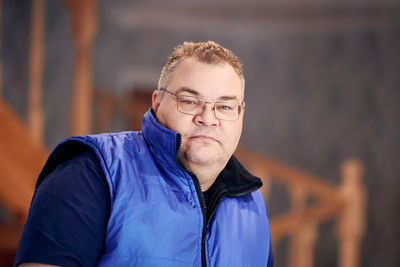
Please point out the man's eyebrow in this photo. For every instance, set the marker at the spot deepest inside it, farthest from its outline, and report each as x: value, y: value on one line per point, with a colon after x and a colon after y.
x: 187, y: 90
x: 194, y: 92
x: 228, y: 97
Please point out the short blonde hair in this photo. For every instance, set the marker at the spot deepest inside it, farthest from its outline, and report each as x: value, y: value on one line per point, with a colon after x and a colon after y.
x: 207, y: 52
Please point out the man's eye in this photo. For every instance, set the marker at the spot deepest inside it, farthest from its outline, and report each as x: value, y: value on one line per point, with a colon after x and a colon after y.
x: 225, y: 107
x: 188, y: 101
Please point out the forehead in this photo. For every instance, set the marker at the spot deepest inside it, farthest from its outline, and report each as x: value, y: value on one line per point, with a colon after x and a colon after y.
x: 210, y: 81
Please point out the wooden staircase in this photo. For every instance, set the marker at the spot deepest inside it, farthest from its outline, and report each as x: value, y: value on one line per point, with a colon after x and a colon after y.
x: 21, y: 160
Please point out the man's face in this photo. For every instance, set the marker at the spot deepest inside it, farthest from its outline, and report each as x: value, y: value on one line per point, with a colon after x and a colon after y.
x: 206, y: 140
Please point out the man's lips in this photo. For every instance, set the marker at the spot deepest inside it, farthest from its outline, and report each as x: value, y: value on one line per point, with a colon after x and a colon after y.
x: 205, y: 138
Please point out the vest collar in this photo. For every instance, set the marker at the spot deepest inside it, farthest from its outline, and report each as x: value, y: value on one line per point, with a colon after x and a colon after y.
x: 163, y: 142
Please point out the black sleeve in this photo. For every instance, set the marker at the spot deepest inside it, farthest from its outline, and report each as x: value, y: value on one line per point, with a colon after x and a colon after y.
x: 67, y: 220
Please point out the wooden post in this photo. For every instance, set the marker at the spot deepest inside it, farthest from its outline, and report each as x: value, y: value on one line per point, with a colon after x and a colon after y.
x: 35, y: 111
x: 351, y: 223
x: 301, y: 244
x: 1, y: 64
x: 83, y: 18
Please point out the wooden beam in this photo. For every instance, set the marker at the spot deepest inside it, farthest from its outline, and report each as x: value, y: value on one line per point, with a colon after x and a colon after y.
x: 301, y: 244
x: 351, y: 224
x: 293, y: 221
x: 35, y: 110
x: 84, y: 27
x: 1, y: 62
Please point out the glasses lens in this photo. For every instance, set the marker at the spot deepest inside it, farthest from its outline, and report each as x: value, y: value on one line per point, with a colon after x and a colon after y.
x: 189, y: 105
x: 227, y: 110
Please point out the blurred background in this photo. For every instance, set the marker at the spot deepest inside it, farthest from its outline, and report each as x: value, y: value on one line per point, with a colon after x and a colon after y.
x: 322, y: 86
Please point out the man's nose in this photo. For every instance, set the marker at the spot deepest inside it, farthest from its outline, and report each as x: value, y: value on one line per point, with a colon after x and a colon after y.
x: 207, y: 116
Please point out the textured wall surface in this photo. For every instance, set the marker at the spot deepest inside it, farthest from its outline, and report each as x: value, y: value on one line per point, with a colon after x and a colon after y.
x: 322, y: 84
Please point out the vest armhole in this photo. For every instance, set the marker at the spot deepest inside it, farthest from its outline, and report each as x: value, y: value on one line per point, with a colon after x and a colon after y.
x: 62, y: 153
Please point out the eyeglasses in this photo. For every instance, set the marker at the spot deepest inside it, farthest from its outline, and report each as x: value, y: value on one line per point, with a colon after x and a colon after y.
x: 227, y: 110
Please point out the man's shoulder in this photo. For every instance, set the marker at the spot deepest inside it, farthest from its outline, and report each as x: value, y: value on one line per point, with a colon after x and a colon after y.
x: 107, y: 137
x: 103, y: 145
x: 106, y: 141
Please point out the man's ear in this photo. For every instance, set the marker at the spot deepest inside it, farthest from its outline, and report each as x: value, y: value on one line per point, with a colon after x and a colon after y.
x: 155, y: 100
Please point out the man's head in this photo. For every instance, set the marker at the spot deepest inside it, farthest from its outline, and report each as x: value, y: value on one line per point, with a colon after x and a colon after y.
x: 210, y: 73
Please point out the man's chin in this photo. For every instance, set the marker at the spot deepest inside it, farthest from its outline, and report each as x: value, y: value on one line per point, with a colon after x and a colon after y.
x: 203, y: 156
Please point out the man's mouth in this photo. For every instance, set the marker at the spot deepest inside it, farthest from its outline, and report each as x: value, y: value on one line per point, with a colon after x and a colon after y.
x: 204, y: 138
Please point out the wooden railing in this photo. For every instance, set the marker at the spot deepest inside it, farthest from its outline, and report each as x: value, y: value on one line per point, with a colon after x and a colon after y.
x: 346, y: 204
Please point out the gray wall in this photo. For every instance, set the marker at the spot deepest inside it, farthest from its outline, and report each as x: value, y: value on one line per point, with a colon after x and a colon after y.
x: 322, y: 85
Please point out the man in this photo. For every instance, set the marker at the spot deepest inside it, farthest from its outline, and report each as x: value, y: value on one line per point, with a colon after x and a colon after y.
x: 170, y: 195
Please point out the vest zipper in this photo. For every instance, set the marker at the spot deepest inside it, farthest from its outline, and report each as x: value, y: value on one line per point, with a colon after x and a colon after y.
x: 205, y: 223
x: 201, y: 200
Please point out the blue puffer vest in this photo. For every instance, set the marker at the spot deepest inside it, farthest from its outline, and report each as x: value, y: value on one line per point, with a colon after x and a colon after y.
x: 159, y: 216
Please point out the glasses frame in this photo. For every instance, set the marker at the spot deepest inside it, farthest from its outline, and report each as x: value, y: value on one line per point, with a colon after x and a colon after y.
x: 241, y: 106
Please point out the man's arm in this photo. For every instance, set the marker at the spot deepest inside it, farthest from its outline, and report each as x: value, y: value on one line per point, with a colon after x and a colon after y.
x: 67, y: 220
